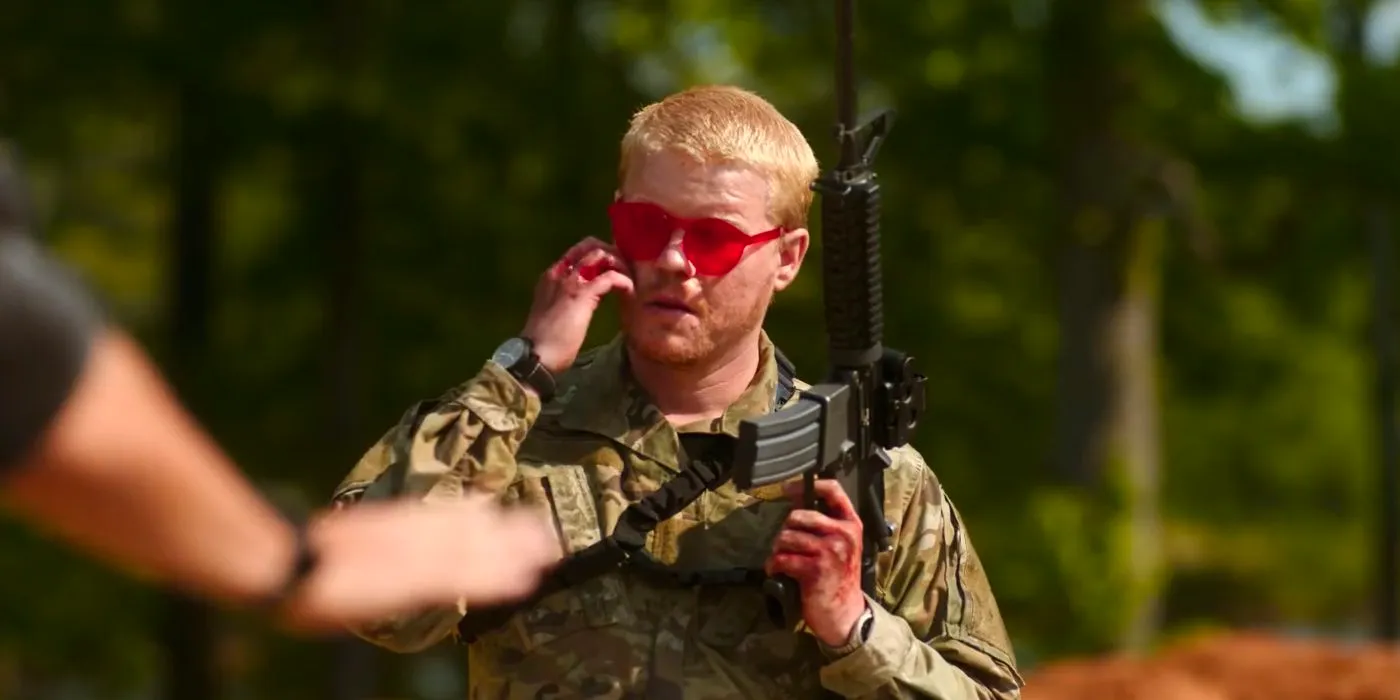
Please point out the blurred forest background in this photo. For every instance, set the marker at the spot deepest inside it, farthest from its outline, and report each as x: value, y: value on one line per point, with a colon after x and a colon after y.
x: 1150, y: 301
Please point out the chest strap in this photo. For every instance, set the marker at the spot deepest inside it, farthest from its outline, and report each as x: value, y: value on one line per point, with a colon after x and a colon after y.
x: 706, y: 462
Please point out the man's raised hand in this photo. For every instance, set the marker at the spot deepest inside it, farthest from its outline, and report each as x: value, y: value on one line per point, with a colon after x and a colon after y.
x: 566, y: 297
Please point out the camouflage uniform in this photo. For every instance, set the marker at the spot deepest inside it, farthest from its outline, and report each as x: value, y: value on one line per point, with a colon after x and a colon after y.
x: 600, y: 445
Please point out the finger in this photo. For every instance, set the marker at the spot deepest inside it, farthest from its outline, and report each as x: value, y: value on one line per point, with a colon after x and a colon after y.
x: 482, y: 511
x: 833, y: 539
x: 837, y: 501
x: 475, y: 499
x: 522, y: 515
x: 591, y: 256
x: 798, y: 542
x: 522, y: 548
x: 568, y: 263
x: 817, y: 523
x: 608, y: 281
x: 540, y: 539
x: 590, y: 271
x: 578, y: 250
x: 597, y: 261
x: 796, y: 492
x: 503, y: 586
x: 799, y: 566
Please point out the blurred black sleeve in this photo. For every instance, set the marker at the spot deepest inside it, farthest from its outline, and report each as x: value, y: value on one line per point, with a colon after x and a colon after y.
x: 47, y: 324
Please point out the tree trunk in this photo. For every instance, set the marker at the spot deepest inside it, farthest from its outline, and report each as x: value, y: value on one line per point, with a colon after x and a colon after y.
x: 187, y: 630
x: 1371, y: 197
x: 342, y: 233
x: 1134, y: 422
x: 1387, y: 590
x: 1107, y: 404
x: 337, y: 197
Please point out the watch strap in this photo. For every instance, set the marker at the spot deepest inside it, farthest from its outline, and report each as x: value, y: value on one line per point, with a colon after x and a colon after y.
x: 530, y: 371
x: 303, y: 564
x: 534, y: 374
x: 860, y: 631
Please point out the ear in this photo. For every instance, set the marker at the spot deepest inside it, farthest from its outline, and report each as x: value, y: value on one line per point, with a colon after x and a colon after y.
x: 792, y: 248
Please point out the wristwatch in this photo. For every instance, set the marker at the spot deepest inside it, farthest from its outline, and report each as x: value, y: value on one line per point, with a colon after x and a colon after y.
x: 860, y: 632
x: 304, y: 563
x: 517, y: 356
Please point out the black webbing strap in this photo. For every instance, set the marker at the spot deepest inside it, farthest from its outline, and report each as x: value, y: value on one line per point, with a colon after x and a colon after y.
x: 643, y: 565
x: 706, y: 459
x: 787, y: 379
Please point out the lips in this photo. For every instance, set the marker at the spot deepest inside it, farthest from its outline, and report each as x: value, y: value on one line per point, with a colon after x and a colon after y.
x: 670, y: 304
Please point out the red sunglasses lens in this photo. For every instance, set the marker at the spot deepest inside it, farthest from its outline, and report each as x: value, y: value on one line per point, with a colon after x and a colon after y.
x: 714, y: 246
x: 640, y: 231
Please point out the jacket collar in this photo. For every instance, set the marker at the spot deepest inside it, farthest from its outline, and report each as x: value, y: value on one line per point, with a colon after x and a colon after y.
x: 604, y: 399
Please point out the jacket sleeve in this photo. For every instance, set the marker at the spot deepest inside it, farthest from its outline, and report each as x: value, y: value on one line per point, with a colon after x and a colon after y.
x: 48, y: 321
x: 440, y: 448
x: 937, y: 632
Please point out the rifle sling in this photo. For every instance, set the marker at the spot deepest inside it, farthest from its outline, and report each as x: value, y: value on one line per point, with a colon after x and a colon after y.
x: 787, y: 379
x: 706, y: 460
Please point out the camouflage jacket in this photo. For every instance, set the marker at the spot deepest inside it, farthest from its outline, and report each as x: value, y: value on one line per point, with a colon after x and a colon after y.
x: 600, y: 445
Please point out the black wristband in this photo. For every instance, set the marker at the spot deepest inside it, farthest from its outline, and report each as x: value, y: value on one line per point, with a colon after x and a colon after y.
x: 47, y: 324
x: 517, y: 356
x: 303, y: 564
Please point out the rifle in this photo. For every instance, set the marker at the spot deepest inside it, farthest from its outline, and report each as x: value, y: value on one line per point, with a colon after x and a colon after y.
x: 872, y: 397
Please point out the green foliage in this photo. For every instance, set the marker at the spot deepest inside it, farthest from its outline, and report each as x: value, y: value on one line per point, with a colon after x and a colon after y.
x: 484, y: 137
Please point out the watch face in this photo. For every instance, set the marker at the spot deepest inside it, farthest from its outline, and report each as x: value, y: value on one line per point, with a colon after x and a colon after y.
x: 510, y: 352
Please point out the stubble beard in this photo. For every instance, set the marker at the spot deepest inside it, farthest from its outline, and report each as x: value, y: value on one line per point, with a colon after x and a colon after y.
x: 669, y: 346
x: 716, y: 332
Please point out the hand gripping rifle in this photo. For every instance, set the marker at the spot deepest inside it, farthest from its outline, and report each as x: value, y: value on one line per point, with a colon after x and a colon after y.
x: 872, y: 398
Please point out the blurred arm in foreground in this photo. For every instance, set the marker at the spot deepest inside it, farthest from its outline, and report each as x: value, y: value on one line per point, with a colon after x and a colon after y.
x: 95, y: 448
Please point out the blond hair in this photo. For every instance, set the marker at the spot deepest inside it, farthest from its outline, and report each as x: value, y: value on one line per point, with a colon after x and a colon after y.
x: 719, y: 123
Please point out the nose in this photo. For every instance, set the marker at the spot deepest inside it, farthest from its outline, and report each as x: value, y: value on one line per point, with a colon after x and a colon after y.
x: 672, y: 259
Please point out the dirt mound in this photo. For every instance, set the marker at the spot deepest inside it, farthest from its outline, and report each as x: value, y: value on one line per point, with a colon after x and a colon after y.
x: 1229, y: 667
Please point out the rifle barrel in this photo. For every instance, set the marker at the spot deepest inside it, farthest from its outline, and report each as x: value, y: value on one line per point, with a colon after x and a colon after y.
x: 846, y: 83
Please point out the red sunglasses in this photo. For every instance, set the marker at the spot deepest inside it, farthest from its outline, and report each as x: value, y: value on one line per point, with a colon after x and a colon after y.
x: 642, y: 230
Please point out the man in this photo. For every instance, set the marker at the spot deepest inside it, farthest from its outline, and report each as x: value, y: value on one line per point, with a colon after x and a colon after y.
x: 709, y: 222
x: 94, y: 448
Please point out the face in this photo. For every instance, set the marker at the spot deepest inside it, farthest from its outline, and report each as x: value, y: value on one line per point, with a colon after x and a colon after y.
x: 679, y: 316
